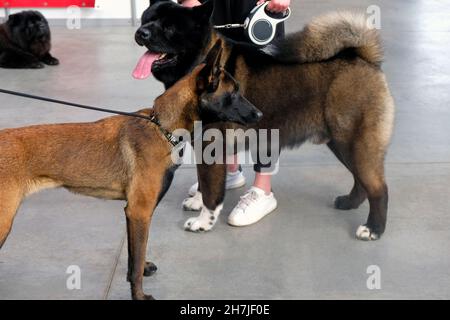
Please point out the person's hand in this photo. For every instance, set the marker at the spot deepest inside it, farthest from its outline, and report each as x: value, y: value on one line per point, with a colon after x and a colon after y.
x: 190, y: 3
x: 277, y: 6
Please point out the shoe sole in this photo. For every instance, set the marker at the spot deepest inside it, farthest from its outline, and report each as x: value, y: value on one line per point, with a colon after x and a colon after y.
x: 250, y: 223
x: 237, y: 185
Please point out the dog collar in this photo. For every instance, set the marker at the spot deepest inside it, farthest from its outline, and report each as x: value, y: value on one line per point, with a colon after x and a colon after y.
x: 174, y: 141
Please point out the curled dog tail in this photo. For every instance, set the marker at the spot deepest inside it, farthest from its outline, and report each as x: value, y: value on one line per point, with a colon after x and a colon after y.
x: 326, y: 36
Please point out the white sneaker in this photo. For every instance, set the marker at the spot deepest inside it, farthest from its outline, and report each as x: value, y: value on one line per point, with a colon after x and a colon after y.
x: 252, y: 207
x: 234, y: 180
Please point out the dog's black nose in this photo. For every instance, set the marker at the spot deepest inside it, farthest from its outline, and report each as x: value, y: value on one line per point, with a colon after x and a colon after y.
x: 143, y: 34
x: 257, y: 115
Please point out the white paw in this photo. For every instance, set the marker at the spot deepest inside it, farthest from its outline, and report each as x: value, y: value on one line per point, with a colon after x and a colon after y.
x: 194, y: 203
x: 205, y: 221
x: 197, y: 224
x: 364, y: 233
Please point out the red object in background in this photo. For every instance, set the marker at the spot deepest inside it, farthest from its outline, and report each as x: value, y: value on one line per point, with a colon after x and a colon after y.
x: 46, y: 3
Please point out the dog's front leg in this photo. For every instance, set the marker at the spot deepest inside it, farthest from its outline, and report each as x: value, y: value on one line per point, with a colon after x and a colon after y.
x: 48, y: 59
x: 17, y: 59
x: 139, y: 212
x: 211, y: 179
x: 149, y: 268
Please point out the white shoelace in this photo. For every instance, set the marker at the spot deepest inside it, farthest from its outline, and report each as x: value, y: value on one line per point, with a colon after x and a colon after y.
x: 247, y: 199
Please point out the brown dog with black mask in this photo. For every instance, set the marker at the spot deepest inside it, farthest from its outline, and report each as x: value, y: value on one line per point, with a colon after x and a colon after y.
x: 119, y: 158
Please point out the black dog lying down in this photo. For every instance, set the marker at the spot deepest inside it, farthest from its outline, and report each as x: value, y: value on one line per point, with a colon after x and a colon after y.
x: 25, y: 41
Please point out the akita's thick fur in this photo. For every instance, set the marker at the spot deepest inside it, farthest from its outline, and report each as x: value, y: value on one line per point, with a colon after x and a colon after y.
x: 322, y: 84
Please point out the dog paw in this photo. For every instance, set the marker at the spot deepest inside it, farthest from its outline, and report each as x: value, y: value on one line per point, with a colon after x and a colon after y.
x: 36, y: 65
x: 194, y: 203
x: 149, y: 269
x: 366, y: 234
x: 343, y: 203
x: 205, y: 221
x: 198, y: 224
x: 142, y: 297
x: 52, y: 61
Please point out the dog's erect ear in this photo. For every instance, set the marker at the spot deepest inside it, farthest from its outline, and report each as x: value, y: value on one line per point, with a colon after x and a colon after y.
x: 209, y: 76
x: 204, y: 11
x: 215, y: 53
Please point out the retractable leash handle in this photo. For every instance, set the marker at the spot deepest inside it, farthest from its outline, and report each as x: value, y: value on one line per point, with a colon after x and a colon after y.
x: 260, y: 27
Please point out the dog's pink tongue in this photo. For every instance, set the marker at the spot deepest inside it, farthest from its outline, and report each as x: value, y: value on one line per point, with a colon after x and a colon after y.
x: 144, y: 67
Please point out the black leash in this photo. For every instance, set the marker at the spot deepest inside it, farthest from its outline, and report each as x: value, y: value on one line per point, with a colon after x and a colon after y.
x: 169, y: 136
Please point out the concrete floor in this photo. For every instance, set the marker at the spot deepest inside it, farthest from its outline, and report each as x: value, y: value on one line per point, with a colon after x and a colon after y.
x: 305, y: 249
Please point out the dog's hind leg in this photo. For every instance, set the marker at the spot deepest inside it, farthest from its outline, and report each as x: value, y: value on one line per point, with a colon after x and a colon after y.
x: 212, y: 183
x: 9, y: 204
x: 369, y: 169
x: 358, y: 194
